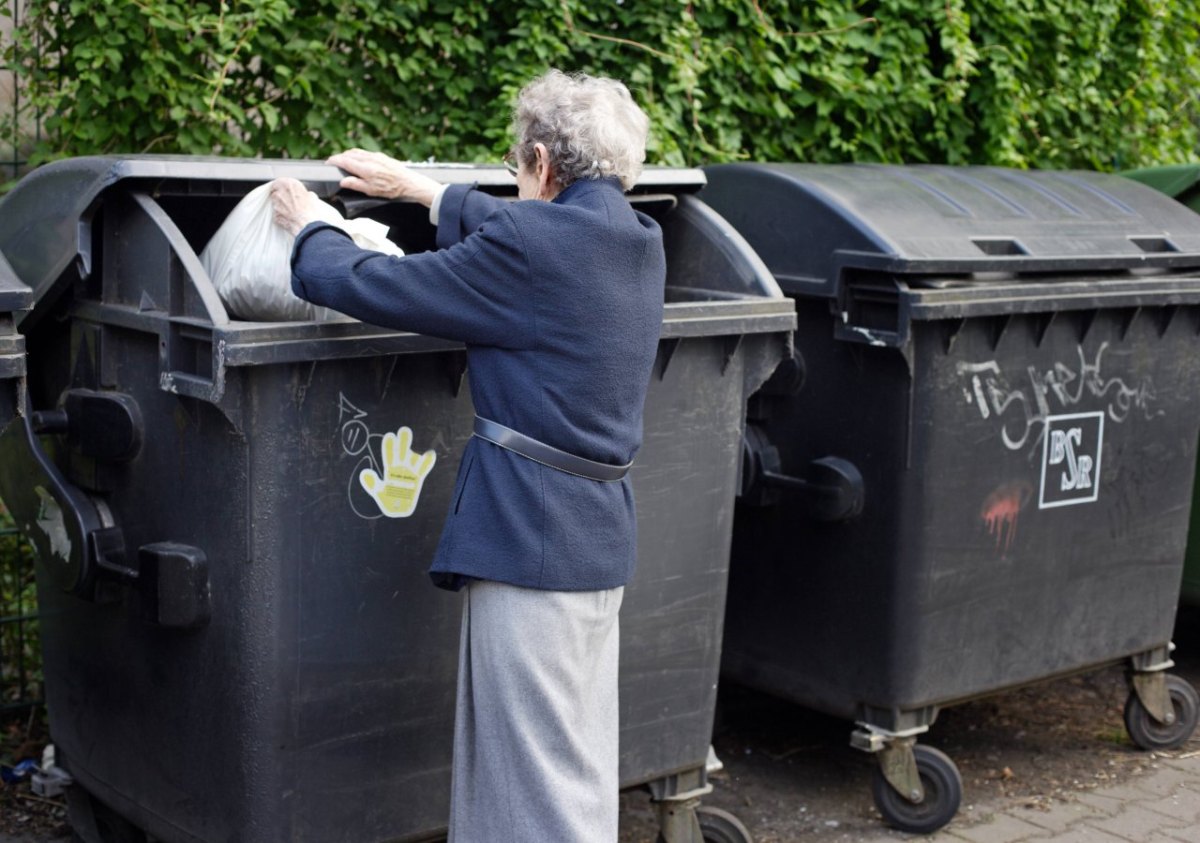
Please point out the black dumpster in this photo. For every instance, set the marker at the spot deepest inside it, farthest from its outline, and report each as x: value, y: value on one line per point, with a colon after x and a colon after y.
x: 237, y: 645
x: 1182, y: 183
x: 976, y: 472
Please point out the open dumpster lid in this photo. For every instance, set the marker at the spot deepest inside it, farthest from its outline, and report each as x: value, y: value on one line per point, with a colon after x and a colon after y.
x: 811, y: 222
x: 132, y: 228
x: 45, y: 221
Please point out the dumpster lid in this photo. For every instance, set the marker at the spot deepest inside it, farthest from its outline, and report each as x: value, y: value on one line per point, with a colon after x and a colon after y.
x: 811, y: 222
x: 1173, y: 180
x: 45, y: 218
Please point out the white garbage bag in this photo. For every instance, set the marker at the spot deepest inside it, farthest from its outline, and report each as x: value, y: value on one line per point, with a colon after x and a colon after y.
x: 248, y: 259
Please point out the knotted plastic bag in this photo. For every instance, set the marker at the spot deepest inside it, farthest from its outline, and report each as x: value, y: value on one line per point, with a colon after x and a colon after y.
x: 248, y: 259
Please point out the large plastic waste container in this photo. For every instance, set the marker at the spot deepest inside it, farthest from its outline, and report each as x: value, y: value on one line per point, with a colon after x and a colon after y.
x: 1182, y: 183
x: 237, y: 646
x: 975, y: 473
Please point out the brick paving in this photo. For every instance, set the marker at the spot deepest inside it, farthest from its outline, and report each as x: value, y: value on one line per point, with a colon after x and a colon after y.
x: 1160, y: 806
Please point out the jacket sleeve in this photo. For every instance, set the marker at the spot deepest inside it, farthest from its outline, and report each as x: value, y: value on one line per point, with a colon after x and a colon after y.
x: 462, y: 211
x: 477, y: 291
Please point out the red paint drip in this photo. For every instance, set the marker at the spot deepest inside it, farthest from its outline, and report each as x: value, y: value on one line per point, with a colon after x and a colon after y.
x: 1001, y: 510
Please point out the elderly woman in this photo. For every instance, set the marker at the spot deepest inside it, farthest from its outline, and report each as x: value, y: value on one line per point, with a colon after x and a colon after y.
x: 558, y: 299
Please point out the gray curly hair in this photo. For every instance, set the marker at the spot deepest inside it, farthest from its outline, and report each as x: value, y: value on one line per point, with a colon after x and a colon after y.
x: 590, y: 125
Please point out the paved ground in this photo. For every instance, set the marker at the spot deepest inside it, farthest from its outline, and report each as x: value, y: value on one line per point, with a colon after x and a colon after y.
x: 1162, y: 806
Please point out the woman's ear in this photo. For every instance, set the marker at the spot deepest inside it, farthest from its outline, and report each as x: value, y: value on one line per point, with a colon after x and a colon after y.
x: 547, y: 186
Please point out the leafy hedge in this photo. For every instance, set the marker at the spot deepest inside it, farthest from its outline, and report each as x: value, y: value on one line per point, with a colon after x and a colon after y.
x: 20, y: 657
x: 1045, y: 83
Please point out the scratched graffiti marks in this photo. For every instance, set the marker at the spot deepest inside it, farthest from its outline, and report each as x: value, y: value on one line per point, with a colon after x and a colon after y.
x: 356, y: 440
x: 1023, y: 408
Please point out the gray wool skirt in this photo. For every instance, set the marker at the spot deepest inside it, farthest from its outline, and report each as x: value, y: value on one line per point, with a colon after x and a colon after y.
x: 536, y: 722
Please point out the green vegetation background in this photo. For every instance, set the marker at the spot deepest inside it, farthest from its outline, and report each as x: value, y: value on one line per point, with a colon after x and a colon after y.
x: 1103, y: 84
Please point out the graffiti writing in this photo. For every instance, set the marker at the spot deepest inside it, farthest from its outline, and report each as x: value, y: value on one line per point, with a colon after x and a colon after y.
x: 356, y: 440
x: 1023, y: 409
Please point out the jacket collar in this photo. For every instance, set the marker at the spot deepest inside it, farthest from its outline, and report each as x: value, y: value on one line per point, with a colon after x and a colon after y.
x: 583, y: 187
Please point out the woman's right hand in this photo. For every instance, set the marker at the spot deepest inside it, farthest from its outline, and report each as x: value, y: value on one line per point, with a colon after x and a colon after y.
x: 376, y: 174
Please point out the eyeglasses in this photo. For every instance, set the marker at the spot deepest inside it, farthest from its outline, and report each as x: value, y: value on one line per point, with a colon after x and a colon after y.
x: 510, y: 162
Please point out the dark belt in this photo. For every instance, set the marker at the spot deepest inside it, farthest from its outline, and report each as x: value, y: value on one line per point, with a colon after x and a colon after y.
x: 547, y: 455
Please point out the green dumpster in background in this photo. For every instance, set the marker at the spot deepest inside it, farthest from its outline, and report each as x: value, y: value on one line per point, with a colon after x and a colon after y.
x: 1181, y: 182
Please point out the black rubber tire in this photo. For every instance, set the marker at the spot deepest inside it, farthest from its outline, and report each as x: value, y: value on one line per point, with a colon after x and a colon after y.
x: 1148, y: 733
x: 943, y: 794
x: 719, y: 826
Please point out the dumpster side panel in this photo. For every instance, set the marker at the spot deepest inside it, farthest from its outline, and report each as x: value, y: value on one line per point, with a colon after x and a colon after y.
x: 367, y: 652
x: 954, y: 581
x: 1059, y: 456
x: 831, y: 641
x: 1190, y: 590
x: 973, y: 566
x: 143, y: 716
x: 684, y: 484
x: 1182, y: 183
x: 327, y: 643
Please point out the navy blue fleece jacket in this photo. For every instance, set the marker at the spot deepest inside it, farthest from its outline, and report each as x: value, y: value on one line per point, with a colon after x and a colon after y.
x: 560, y: 306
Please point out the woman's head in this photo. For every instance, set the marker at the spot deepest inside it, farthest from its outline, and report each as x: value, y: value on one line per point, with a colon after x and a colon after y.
x: 590, y: 127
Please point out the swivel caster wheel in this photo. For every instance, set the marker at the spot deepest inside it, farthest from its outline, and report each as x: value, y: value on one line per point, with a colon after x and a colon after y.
x: 1148, y: 733
x: 719, y: 826
x: 943, y: 794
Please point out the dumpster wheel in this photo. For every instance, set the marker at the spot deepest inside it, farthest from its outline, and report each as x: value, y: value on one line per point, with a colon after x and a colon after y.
x: 719, y: 826
x: 943, y: 794
x: 1149, y: 733
x: 715, y: 826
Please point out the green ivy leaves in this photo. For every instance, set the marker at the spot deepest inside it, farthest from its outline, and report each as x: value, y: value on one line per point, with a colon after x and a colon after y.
x: 1026, y: 83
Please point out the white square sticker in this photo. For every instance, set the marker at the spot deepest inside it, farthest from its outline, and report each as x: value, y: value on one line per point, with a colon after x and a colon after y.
x: 1071, y: 459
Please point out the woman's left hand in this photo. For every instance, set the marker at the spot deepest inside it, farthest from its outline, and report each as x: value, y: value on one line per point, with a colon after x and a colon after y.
x: 293, y: 204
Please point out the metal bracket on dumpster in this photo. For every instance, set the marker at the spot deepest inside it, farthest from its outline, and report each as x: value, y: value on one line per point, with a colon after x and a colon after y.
x: 896, y: 759
x: 81, y: 548
x: 677, y: 820
x: 676, y: 798
x: 833, y: 486
x: 1149, y: 681
x: 1151, y: 689
x: 74, y: 536
x: 899, y: 766
x: 873, y: 739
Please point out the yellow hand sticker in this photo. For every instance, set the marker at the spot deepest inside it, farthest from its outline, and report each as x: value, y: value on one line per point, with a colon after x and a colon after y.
x: 404, y: 473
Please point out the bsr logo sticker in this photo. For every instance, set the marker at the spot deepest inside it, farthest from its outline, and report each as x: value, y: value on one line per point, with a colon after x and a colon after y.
x: 1071, y: 459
